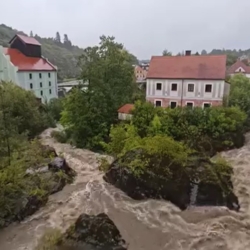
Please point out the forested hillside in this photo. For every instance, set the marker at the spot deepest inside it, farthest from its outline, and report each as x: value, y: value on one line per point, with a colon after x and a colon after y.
x: 58, y: 50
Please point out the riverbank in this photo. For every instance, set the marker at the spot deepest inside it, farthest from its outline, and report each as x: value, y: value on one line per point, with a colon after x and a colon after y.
x: 144, y: 225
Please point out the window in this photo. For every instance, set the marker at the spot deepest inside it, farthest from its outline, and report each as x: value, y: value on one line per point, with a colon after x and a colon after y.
x: 50, y: 91
x: 207, y: 105
x: 41, y: 92
x: 30, y: 76
x: 31, y: 86
x: 190, y: 104
x: 174, y: 87
x: 191, y: 87
x: 173, y: 105
x: 49, y: 75
x: 49, y: 84
x: 158, y: 86
x: 157, y: 103
x: 208, y: 88
x: 41, y: 84
x: 40, y: 75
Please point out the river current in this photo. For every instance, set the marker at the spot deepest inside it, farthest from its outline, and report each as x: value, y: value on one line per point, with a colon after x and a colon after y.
x: 144, y: 225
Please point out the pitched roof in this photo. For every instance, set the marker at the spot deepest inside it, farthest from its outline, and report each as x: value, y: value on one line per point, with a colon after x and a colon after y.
x: 25, y: 63
x: 26, y: 39
x: 238, y: 64
x: 188, y: 67
x: 126, y: 109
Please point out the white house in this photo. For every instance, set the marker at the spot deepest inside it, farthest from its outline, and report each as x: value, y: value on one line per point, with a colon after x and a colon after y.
x: 33, y: 71
x: 187, y: 80
x: 124, y: 112
x: 239, y: 67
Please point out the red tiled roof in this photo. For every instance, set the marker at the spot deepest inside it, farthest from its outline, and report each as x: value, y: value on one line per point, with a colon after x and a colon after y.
x: 126, y: 109
x: 26, y: 39
x: 238, y: 64
x: 188, y: 67
x: 25, y: 63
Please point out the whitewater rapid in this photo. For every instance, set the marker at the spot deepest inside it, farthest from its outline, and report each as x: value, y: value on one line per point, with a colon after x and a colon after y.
x: 144, y: 225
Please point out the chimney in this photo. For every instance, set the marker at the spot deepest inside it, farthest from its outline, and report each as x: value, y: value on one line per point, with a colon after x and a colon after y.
x: 188, y: 53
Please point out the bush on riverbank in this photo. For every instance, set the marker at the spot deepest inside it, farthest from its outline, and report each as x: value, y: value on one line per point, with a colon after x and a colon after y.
x: 27, y: 181
x: 25, y: 178
x: 205, y: 130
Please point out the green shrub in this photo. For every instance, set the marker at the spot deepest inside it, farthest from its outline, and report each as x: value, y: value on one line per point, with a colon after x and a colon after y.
x: 60, y: 136
x: 50, y: 240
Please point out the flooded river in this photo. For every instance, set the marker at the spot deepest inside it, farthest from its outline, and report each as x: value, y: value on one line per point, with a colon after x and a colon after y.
x: 145, y: 225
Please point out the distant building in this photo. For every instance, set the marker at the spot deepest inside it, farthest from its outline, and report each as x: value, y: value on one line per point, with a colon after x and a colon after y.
x: 187, y: 80
x: 140, y: 73
x: 124, y: 112
x: 239, y: 67
x: 25, y: 66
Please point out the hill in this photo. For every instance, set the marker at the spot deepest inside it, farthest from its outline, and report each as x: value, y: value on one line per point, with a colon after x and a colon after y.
x: 63, y: 54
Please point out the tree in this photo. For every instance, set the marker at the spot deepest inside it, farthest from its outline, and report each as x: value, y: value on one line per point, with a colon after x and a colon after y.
x: 58, y: 37
x: 203, y: 52
x: 88, y: 114
x: 197, y: 53
x: 240, y: 92
x: 31, y: 34
x: 166, y: 53
x: 67, y: 42
x: 231, y: 59
x: 245, y: 61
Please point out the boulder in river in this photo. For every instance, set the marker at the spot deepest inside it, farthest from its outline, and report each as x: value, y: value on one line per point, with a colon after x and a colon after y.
x: 90, y: 232
x: 177, y: 188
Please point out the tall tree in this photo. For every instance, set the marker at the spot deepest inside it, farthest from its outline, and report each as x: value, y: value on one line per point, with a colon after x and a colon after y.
x: 58, y: 37
x: 31, y: 34
x: 108, y: 70
x: 166, y: 53
x: 67, y: 42
x: 204, y: 52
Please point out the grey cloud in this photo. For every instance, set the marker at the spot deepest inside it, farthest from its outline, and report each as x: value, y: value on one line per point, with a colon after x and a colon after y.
x: 145, y: 27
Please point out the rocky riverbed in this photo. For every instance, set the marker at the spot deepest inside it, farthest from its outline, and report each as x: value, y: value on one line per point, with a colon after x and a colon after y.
x: 144, y: 225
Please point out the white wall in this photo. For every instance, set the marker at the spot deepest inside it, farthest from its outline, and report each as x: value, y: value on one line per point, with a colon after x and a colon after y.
x: 45, y: 80
x: 122, y: 116
x: 217, y: 92
x: 8, y: 72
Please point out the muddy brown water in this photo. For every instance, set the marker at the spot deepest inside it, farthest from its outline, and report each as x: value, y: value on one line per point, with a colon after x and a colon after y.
x: 145, y: 225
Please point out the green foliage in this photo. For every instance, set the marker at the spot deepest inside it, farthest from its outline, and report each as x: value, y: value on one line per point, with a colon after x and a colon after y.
x: 60, y: 136
x: 143, y: 115
x: 22, y: 107
x: 88, y: 114
x: 205, y: 130
x: 50, y: 240
x: 54, y: 108
x: 166, y: 53
x: 239, y: 93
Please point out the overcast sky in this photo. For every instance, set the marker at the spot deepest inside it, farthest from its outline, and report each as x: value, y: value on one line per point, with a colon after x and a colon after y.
x: 145, y: 27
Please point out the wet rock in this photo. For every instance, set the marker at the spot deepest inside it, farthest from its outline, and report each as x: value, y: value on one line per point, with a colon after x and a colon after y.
x: 176, y: 189
x: 94, y: 232
x: 149, y: 184
x: 48, y: 151
x: 58, y: 164
x: 37, y: 171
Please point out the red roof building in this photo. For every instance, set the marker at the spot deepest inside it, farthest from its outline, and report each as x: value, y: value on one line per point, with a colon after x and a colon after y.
x: 124, y: 112
x: 238, y: 67
x: 187, y: 80
x: 25, y: 63
x: 32, y: 71
x: 187, y: 67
